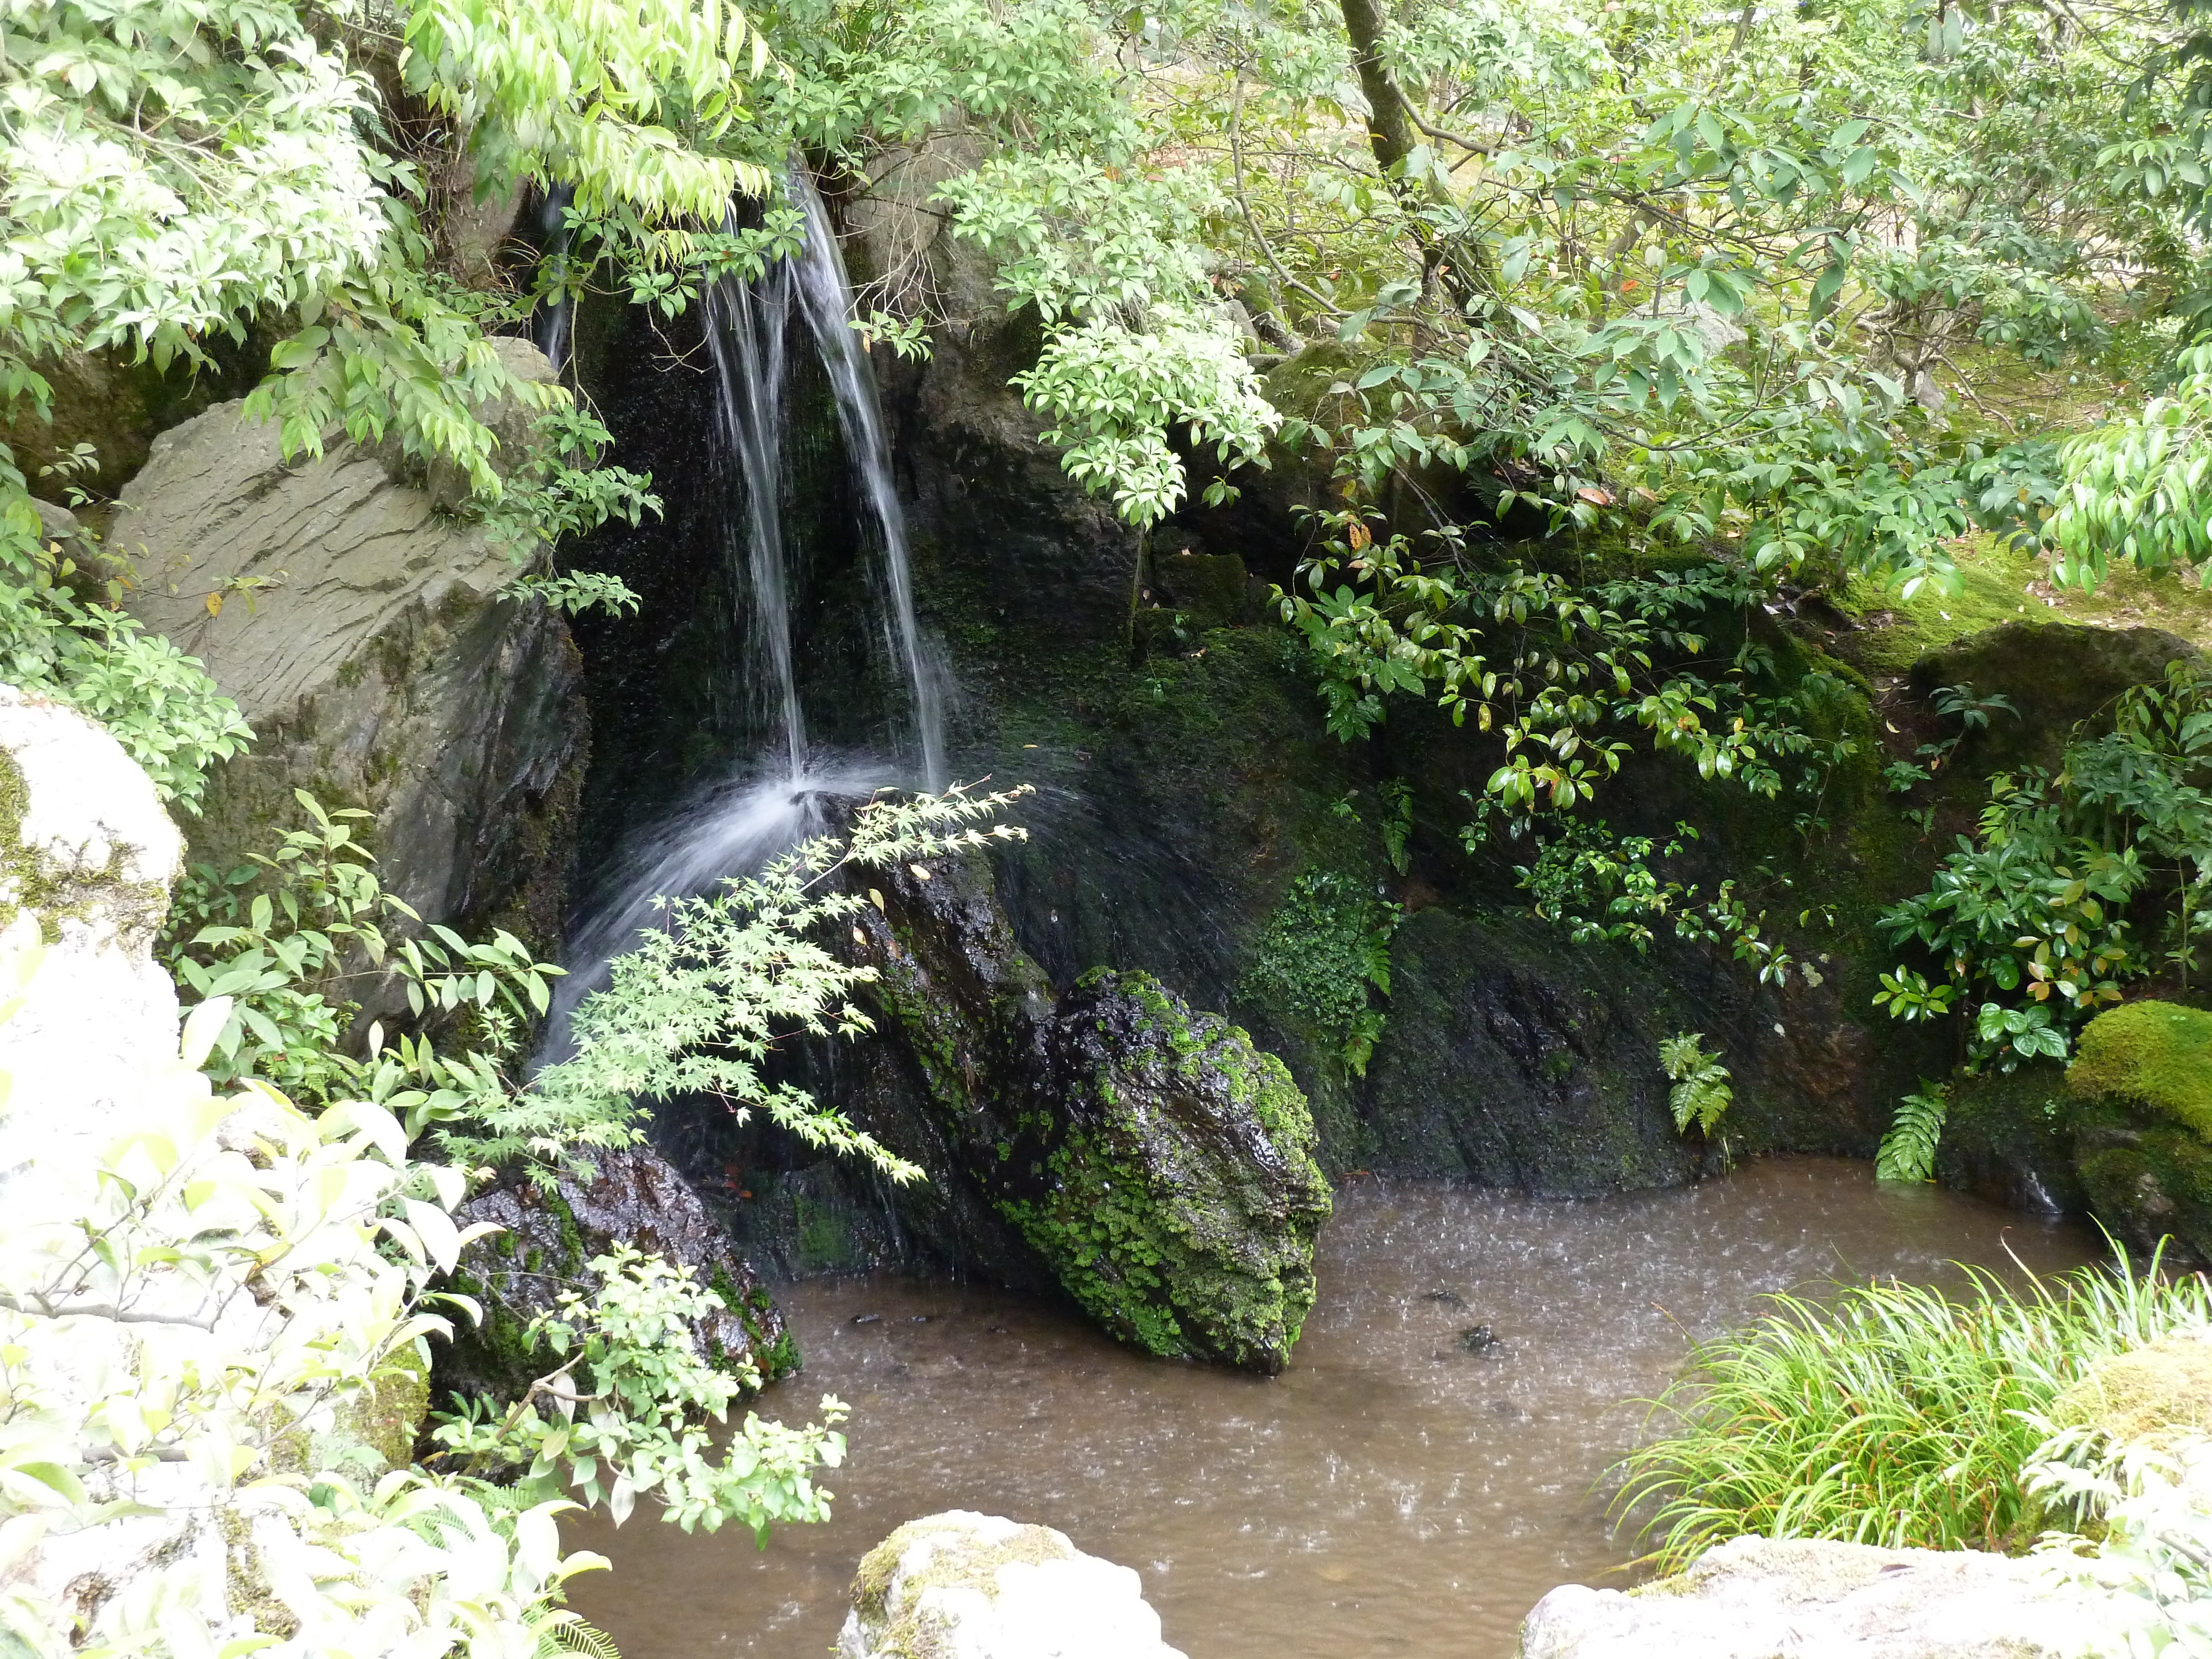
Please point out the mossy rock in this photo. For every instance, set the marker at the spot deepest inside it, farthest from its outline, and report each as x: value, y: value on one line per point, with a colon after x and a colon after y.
x: 1159, y: 1165
x: 2148, y: 1186
x: 2153, y: 1055
x: 1169, y: 1176
x: 547, y: 1239
x: 2161, y: 1390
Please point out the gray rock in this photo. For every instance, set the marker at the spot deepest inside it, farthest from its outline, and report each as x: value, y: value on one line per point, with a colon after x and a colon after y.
x: 636, y: 1198
x: 388, y: 667
x: 1755, y: 1598
x: 966, y: 1586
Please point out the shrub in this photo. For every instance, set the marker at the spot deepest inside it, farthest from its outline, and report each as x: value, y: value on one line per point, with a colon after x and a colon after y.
x: 1896, y: 1416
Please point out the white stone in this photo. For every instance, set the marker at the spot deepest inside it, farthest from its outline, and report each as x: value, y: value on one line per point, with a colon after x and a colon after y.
x: 961, y: 1585
x: 98, y: 854
x: 1763, y: 1598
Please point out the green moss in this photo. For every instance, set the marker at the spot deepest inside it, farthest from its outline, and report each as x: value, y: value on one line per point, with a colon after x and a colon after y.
x: 2156, y: 1054
x: 1320, y: 961
x: 1190, y: 1260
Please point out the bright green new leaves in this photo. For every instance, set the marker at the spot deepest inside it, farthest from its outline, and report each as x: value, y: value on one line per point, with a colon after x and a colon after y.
x: 1113, y: 391
x: 56, y: 638
x: 2141, y: 489
x: 573, y: 92
x: 627, y: 1411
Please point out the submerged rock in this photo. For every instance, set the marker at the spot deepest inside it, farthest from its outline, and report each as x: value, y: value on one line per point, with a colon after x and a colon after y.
x: 1753, y: 1598
x: 380, y: 653
x: 1160, y: 1166
x: 966, y: 1586
x: 636, y: 1198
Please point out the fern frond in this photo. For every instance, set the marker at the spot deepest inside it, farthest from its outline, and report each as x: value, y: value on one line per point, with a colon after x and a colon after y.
x: 566, y: 1635
x: 1908, y: 1150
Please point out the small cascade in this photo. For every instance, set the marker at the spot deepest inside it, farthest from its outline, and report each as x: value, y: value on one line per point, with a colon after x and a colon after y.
x: 746, y: 328
x: 732, y: 827
x: 825, y: 294
x: 781, y: 797
x: 549, y: 328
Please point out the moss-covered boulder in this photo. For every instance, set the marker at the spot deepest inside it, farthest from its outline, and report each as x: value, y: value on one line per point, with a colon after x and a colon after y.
x: 2141, y: 1085
x: 1165, y: 1168
x: 2155, y: 1055
x: 1157, y: 1162
x: 548, y: 1237
x: 2162, y: 1389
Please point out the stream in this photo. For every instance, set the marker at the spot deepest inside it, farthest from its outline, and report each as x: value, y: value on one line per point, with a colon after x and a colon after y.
x: 1393, y: 1493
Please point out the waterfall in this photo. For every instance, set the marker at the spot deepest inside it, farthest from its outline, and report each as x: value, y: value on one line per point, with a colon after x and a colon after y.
x: 825, y: 294
x: 745, y: 325
x: 737, y: 823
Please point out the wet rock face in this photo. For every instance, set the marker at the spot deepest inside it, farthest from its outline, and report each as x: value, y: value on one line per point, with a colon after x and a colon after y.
x: 1754, y: 1597
x: 1159, y: 1165
x: 638, y: 1198
x: 966, y: 1586
x: 388, y: 665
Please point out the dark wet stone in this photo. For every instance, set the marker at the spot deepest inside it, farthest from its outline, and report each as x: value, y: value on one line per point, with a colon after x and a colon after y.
x: 637, y: 1198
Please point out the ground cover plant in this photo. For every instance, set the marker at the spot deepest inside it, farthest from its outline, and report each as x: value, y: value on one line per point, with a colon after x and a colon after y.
x: 1892, y: 1414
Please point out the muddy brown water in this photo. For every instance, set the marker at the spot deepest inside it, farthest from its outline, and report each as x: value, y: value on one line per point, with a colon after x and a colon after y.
x: 1392, y: 1493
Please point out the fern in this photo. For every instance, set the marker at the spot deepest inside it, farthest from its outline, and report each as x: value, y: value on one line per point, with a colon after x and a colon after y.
x: 1908, y: 1150
x: 1702, y: 1089
x: 566, y: 1636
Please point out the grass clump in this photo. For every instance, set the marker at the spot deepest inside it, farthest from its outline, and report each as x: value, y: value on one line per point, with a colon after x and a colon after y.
x: 1897, y: 1415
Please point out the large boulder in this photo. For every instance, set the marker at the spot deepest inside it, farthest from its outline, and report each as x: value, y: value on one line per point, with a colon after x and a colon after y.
x: 1160, y: 1164
x: 1753, y: 1598
x: 387, y: 663
x: 550, y: 1233
x: 966, y: 1586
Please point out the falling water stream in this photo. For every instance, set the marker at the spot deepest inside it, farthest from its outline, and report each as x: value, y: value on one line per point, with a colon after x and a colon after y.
x: 1392, y: 1493
x: 735, y: 824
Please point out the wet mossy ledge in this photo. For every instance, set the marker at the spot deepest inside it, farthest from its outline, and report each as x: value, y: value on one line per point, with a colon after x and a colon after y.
x: 1159, y: 1166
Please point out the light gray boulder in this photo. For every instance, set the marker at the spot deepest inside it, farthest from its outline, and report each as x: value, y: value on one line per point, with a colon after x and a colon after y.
x: 961, y: 1585
x: 1757, y: 1598
x: 87, y: 858
x: 388, y: 664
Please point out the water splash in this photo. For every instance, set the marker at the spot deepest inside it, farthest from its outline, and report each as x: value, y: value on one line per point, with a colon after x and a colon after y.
x: 732, y: 828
